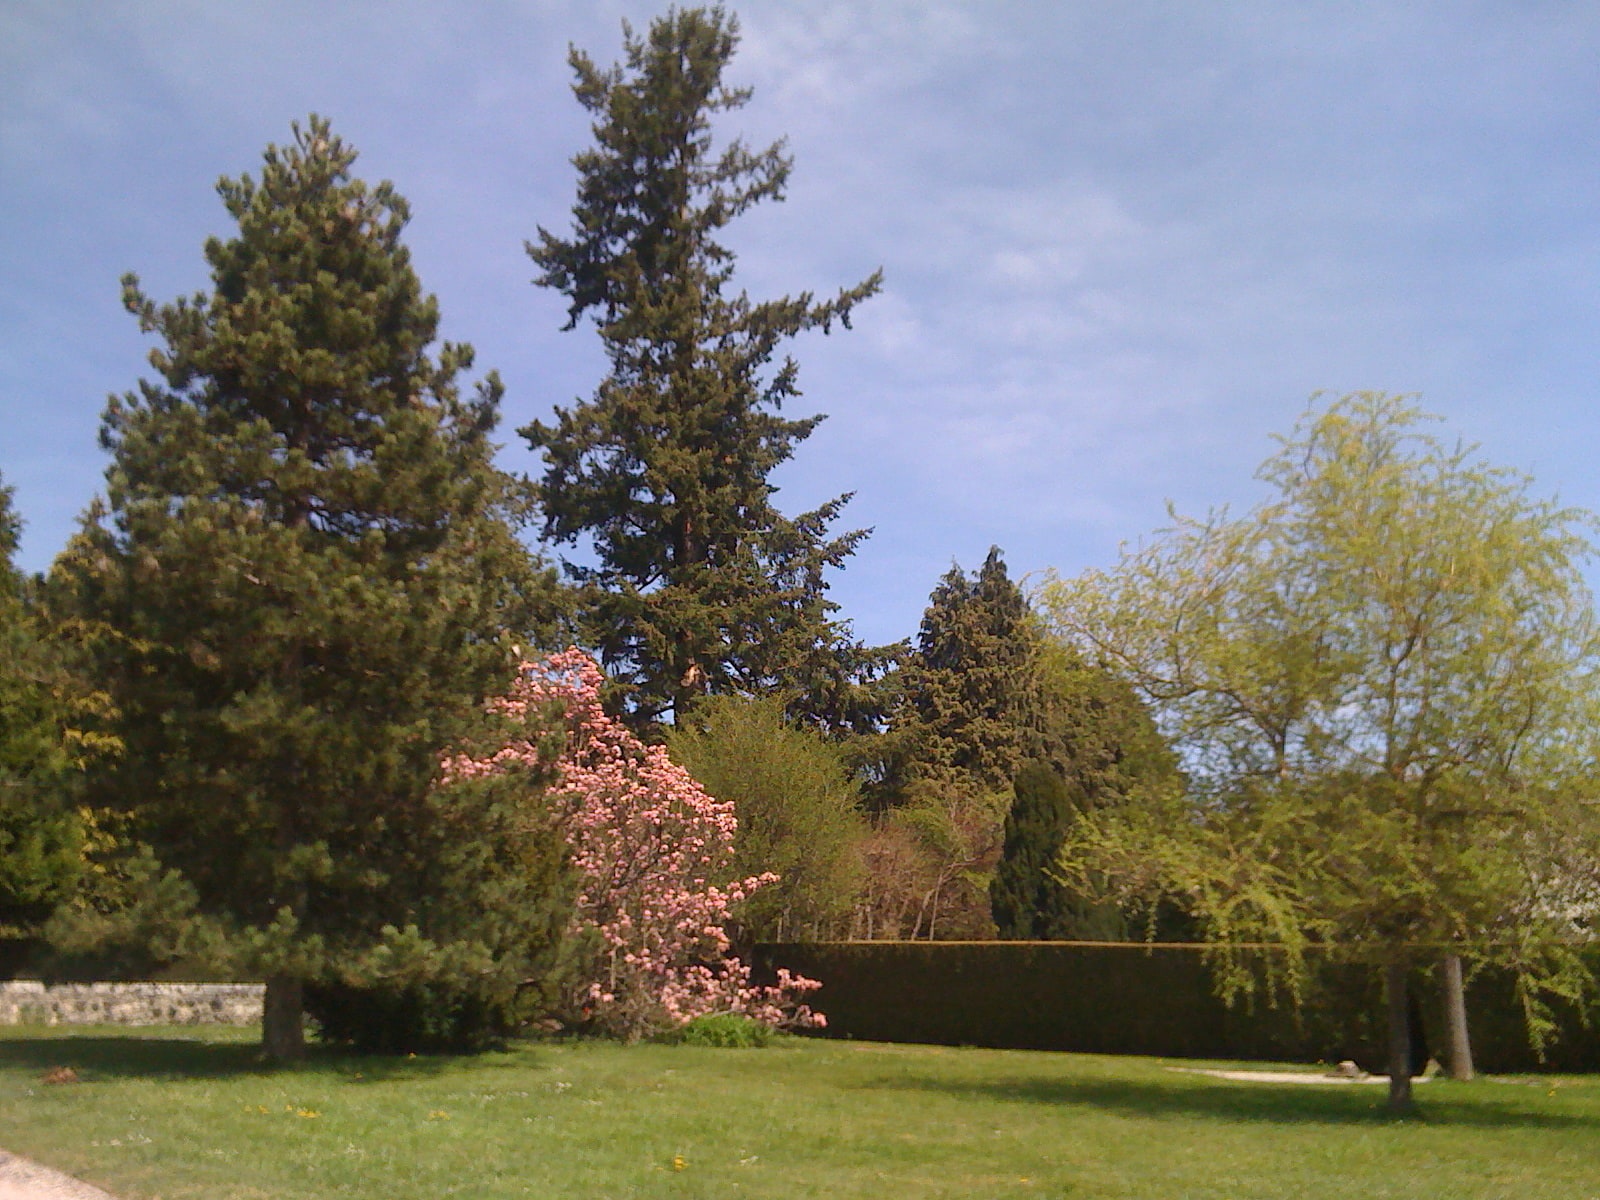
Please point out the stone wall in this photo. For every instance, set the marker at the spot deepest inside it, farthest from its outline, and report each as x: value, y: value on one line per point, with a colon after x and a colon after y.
x: 28, y: 1002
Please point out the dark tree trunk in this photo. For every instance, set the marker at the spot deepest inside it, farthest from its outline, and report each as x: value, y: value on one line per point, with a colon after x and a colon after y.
x: 1458, y: 1042
x: 283, y: 1032
x: 1394, y: 981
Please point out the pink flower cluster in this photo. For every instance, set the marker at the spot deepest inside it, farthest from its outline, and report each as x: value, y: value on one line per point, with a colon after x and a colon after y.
x: 648, y: 844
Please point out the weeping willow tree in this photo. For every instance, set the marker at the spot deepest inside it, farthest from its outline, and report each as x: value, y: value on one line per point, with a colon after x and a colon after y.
x: 1382, y: 683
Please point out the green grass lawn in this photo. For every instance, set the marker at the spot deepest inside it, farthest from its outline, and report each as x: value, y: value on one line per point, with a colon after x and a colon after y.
x: 183, y: 1113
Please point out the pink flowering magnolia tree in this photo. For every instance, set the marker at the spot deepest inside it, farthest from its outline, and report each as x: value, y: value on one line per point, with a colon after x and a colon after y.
x: 649, y: 846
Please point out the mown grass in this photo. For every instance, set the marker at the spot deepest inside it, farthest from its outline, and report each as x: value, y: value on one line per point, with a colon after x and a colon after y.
x: 180, y: 1114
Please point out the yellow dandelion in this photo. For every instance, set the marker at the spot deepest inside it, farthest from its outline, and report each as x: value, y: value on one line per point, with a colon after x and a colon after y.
x: 438, y: 1114
x: 307, y: 1112
x: 679, y: 1162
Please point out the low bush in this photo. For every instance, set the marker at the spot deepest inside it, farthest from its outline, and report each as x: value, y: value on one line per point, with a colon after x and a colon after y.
x: 731, y: 1031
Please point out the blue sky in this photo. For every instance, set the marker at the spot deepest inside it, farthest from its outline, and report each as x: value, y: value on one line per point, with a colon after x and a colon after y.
x: 1123, y: 243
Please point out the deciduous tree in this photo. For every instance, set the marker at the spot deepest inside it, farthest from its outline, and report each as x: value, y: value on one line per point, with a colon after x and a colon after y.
x: 797, y: 804
x: 654, y: 857
x: 1383, y: 685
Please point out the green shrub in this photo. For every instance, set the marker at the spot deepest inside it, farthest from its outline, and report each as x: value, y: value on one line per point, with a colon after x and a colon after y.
x: 731, y: 1031
x: 793, y: 793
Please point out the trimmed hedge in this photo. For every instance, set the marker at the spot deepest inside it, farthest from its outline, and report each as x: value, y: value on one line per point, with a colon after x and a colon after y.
x: 1156, y: 999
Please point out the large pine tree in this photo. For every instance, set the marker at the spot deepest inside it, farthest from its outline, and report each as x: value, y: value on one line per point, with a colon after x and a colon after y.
x: 702, y: 585
x: 306, y: 570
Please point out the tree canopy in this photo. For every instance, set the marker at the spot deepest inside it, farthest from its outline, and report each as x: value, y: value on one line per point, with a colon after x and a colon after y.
x: 306, y: 574
x: 1101, y: 748
x: 796, y: 801
x: 700, y: 584
x: 1382, y: 683
x: 40, y: 834
x: 971, y: 695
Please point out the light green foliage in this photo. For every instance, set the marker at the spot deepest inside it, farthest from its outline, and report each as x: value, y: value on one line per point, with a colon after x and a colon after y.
x: 1382, y: 683
x: 725, y: 1031
x: 305, y: 576
x: 797, y: 808
x: 702, y: 586
x: 956, y: 832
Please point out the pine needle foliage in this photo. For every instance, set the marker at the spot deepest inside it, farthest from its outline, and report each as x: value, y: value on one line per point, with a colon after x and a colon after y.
x: 701, y: 585
x: 305, y: 572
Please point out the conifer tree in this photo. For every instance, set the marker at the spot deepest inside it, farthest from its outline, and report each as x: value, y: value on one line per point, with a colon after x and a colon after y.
x: 307, y: 568
x: 39, y: 833
x: 997, y: 724
x: 702, y: 586
x: 1101, y: 748
x: 971, y: 704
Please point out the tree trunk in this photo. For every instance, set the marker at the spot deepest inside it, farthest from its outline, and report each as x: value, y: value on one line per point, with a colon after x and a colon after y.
x: 283, y: 1032
x: 1458, y: 1042
x: 1399, y: 1038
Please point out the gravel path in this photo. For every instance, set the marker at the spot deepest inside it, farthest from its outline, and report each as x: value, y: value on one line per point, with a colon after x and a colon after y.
x: 24, y: 1180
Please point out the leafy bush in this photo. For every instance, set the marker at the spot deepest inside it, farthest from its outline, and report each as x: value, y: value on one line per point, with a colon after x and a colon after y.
x: 729, y: 1031
x: 792, y: 791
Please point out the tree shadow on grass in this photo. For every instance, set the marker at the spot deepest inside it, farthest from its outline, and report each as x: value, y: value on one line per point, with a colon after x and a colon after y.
x: 1244, y: 1103
x: 105, y: 1057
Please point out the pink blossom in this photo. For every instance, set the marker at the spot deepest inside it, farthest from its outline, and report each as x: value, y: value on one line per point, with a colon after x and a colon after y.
x: 647, y: 841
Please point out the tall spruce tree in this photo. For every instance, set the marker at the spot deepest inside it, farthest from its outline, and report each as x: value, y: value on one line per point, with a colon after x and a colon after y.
x: 308, y: 572
x: 702, y: 586
x: 971, y: 710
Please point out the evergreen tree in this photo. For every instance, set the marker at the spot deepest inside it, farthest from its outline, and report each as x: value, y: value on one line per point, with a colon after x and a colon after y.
x: 1100, y: 748
x: 40, y: 835
x: 971, y: 707
x: 702, y: 586
x: 995, y: 723
x: 308, y: 573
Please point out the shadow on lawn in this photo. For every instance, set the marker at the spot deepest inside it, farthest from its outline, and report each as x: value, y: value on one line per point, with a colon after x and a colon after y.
x: 1281, y: 1104
x: 180, y: 1058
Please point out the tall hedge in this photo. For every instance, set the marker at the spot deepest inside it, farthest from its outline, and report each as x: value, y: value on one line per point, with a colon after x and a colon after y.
x: 1156, y: 999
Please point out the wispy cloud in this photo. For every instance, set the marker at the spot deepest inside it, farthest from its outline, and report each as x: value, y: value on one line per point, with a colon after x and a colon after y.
x: 1122, y: 243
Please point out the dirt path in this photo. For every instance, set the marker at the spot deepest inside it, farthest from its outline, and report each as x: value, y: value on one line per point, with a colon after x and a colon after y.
x: 24, y: 1180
